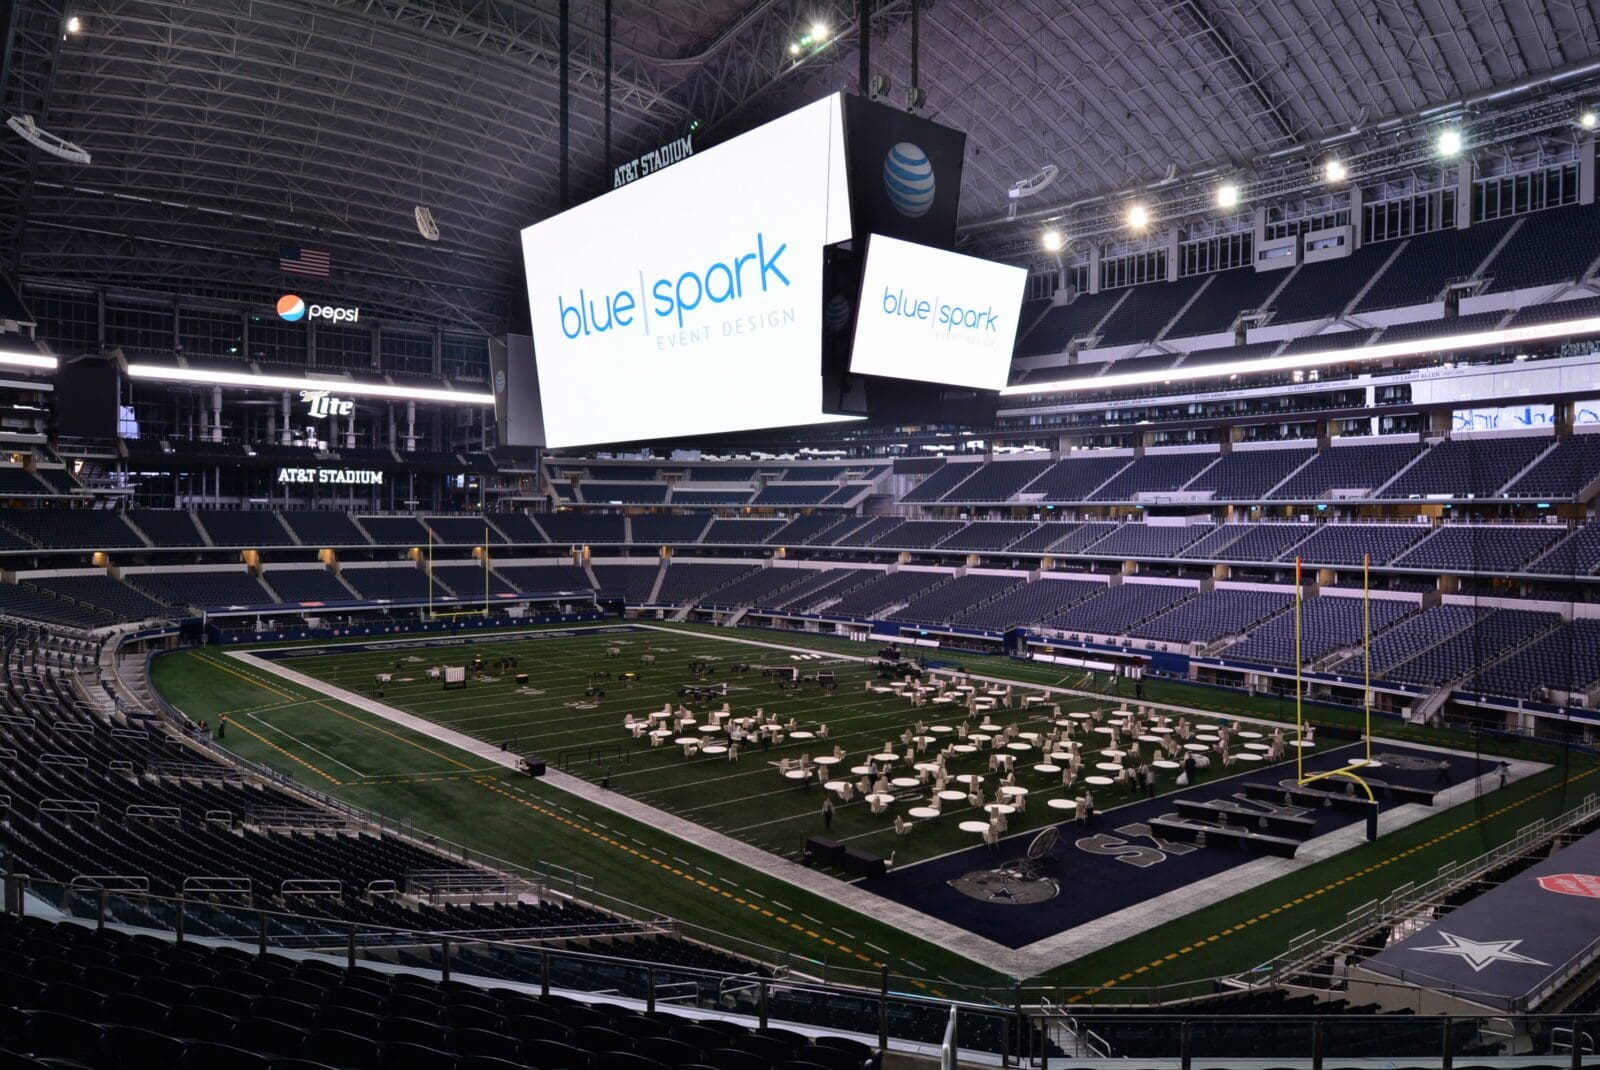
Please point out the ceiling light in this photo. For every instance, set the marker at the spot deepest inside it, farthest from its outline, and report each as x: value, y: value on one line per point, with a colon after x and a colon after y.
x: 794, y: 48
x: 13, y: 359
x: 1588, y: 119
x: 819, y: 32
x: 1138, y: 216
x: 74, y: 24
x: 166, y: 373
x: 1052, y: 240
x: 1449, y: 142
x: 1227, y: 195
x: 1334, y: 171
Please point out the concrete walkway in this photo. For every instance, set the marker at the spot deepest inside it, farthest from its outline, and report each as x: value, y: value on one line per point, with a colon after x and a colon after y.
x: 1021, y: 963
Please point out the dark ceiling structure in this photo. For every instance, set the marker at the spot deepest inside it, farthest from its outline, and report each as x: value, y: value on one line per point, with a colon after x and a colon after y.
x: 222, y: 130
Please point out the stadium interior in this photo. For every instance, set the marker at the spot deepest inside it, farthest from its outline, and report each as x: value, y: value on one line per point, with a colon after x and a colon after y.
x: 427, y: 646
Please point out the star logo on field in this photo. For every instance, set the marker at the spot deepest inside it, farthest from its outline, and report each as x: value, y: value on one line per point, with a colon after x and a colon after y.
x: 1480, y: 953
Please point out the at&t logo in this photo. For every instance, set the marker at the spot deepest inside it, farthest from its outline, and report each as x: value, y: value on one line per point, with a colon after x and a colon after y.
x: 908, y: 179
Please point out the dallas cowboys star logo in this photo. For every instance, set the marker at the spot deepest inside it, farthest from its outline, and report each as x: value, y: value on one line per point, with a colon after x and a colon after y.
x: 1003, y: 892
x: 1480, y: 954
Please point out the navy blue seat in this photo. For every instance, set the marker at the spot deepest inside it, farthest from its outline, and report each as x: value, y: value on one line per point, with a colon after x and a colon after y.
x: 552, y: 1055
x: 416, y: 1057
x: 270, y: 1037
x: 345, y: 1050
x: 483, y: 1042
x: 414, y: 1031
x: 221, y: 1057
x: 133, y: 1048
x: 200, y: 1023
x: 125, y: 1008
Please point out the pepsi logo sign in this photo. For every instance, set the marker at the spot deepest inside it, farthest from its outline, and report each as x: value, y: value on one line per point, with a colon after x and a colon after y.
x: 292, y: 307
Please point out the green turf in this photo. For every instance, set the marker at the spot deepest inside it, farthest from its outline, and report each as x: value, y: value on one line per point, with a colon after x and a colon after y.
x: 373, y: 764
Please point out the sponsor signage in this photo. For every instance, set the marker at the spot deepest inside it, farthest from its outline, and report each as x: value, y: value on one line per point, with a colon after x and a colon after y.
x: 1586, y: 885
x: 650, y: 162
x: 341, y: 477
x: 292, y: 307
x: 320, y: 404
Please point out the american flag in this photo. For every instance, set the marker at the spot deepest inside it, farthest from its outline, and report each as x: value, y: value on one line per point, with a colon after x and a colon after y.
x: 304, y: 260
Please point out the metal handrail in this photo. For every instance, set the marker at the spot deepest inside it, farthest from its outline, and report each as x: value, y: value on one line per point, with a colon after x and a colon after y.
x: 1309, y: 948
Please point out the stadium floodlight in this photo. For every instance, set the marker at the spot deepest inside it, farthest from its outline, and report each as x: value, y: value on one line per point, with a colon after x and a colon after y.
x: 819, y: 32
x: 1334, y: 170
x: 74, y: 24
x: 1588, y: 119
x: 1227, y: 195
x: 1138, y: 216
x: 1327, y: 358
x: 12, y: 358
x: 794, y: 48
x: 168, y: 374
x: 28, y: 130
x: 1449, y: 142
x: 1052, y: 240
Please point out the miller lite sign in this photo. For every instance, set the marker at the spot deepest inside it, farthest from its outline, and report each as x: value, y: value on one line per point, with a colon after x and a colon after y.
x: 320, y: 403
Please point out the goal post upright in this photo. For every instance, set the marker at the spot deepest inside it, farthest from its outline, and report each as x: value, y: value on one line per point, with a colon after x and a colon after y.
x: 1299, y: 722
x: 1366, y: 649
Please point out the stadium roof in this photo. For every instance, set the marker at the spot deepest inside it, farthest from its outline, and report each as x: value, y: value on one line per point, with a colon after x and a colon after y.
x: 224, y: 129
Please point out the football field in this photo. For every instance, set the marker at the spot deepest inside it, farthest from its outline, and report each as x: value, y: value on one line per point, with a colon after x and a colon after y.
x: 315, y: 711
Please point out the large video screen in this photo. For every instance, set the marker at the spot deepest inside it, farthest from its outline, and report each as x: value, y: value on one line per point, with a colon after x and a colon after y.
x: 936, y: 316
x: 690, y: 302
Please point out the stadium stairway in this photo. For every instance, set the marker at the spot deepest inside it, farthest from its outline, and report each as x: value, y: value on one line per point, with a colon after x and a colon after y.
x: 1377, y: 492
